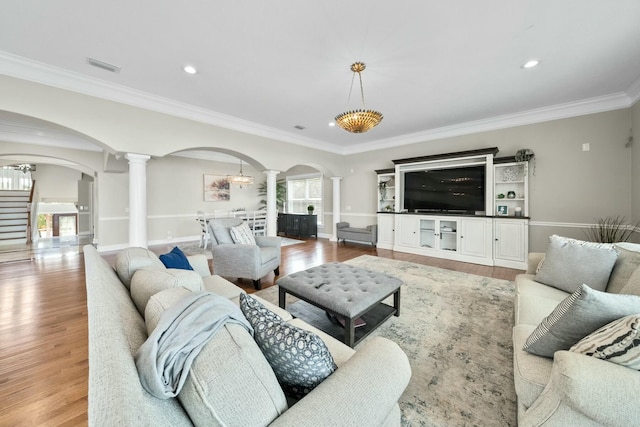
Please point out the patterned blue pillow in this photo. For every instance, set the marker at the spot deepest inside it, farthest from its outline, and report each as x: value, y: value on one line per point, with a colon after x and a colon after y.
x: 176, y: 259
x: 299, y: 358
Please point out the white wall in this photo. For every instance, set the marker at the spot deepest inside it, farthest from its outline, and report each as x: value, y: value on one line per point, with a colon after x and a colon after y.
x: 569, y: 189
x: 56, y: 184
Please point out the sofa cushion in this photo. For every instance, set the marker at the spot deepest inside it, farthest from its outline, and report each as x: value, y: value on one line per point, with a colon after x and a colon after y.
x: 221, y: 230
x: 230, y: 382
x: 534, y: 301
x: 632, y: 286
x: 146, y: 283
x: 578, y: 315
x: 133, y: 259
x: 299, y: 358
x: 628, y: 261
x: 617, y: 342
x: 242, y: 234
x: 159, y: 302
x: 176, y: 259
x: 531, y: 373
x: 569, y: 263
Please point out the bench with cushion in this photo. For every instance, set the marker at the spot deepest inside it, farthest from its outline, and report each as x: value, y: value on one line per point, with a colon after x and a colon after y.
x: 367, y: 235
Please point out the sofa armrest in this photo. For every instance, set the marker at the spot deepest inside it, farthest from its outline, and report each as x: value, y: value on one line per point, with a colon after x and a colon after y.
x: 586, y: 391
x: 362, y: 392
x: 374, y: 232
x: 200, y: 264
x: 340, y: 225
x: 264, y: 241
x: 533, y: 261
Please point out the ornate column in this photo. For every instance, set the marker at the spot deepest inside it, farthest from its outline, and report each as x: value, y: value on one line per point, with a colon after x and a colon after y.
x: 137, y: 199
x: 272, y: 208
x: 336, y: 207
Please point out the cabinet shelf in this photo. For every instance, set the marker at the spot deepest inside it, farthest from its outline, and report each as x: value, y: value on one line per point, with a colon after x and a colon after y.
x: 520, y: 181
x: 510, y: 200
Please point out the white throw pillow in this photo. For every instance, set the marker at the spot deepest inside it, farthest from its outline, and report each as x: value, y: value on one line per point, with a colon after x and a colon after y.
x: 617, y: 342
x: 242, y: 234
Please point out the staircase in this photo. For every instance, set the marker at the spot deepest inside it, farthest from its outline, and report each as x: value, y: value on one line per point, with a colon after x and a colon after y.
x: 14, y: 217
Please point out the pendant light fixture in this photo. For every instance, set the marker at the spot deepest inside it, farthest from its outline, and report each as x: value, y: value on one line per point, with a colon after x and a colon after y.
x: 240, y: 179
x: 358, y: 121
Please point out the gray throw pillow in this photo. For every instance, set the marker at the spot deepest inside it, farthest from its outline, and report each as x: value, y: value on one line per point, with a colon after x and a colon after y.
x: 628, y: 261
x: 299, y: 358
x: 578, y: 315
x: 569, y: 263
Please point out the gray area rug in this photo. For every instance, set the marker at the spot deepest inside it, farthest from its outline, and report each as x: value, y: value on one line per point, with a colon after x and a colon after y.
x: 456, y: 330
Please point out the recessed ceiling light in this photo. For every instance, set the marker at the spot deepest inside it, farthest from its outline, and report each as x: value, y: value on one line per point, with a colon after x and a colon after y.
x: 530, y: 63
x: 190, y: 69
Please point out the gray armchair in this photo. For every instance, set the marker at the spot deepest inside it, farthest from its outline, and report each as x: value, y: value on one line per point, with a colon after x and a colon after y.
x: 239, y: 260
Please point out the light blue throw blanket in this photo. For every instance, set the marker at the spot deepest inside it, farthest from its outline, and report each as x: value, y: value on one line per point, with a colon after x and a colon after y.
x: 164, y: 359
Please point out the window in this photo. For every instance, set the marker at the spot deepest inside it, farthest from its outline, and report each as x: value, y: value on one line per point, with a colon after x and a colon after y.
x: 303, y: 191
x: 14, y: 179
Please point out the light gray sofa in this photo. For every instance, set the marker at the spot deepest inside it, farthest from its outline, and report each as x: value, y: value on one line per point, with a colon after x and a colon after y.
x: 572, y: 389
x: 369, y: 234
x: 364, y: 390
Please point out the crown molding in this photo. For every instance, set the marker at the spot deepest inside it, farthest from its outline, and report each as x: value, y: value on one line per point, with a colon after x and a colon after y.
x: 26, y: 69
x: 38, y: 72
x: 634, y: 91
x: 538, y: 115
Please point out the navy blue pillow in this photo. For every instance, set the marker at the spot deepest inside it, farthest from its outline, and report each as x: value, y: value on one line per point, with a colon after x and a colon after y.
x: 176, y: 259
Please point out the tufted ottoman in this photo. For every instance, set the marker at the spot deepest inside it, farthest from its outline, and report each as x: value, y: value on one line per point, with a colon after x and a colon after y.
x: 346, y: 292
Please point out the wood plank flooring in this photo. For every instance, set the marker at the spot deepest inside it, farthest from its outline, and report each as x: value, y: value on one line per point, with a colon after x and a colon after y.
x: 43, y: 325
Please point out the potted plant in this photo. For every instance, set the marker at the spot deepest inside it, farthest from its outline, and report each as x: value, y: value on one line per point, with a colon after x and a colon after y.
x: 310, y: 209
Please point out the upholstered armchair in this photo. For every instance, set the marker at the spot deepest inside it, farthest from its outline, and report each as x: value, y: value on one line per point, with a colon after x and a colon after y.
x: 242, y: 260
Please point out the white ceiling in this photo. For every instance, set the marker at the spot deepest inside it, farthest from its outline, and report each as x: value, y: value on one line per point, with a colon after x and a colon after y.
x: 434, y: 68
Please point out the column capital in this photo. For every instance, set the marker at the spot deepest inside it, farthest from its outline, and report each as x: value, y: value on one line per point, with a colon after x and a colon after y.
x: 270, y: 172
x: 336, y: 178
x: 137, y: 158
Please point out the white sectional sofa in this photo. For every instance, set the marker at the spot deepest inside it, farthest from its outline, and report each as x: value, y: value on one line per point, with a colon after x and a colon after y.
x: 572, y: 389
x: 364, y: 390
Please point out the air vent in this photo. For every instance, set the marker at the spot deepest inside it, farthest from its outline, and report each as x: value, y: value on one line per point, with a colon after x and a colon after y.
x: 299, y: 127
x: 103, y: 65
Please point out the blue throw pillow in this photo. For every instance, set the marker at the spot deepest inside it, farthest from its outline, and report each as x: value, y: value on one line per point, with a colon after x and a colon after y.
x: 176, y: 259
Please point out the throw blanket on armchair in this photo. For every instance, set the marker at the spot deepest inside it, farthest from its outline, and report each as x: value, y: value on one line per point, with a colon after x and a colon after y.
x: 164, y: 359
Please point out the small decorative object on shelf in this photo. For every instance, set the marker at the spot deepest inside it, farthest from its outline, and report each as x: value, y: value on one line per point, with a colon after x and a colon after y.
x: 502, y: 210
x: 509, y: 175
x: 310, y: 209
x: 511, y: 194
x: 518, y: 211
x: 500, y: 196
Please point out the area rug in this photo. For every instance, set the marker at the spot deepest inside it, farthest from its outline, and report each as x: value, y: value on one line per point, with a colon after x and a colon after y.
x: 456, y: 331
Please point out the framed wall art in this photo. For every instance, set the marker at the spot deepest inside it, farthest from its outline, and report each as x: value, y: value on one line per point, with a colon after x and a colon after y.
x: 502, y: 210
x: 216, y: 188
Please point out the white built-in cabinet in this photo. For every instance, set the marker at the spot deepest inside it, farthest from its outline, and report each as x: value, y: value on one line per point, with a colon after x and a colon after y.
x: 386, y: 231
x: 511, y: 240
x: 500, y: 238
x: 459, y: 238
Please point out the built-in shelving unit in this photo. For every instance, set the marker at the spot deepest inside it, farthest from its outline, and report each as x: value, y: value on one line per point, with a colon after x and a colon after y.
x: 386, y: 190
x: 511, y: 187
x: 498, y: 236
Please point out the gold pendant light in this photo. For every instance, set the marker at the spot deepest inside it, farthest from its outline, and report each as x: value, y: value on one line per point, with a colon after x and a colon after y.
x: 358, y: 121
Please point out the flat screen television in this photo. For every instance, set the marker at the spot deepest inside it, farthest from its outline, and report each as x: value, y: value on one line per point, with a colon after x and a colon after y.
x: 452, y: 190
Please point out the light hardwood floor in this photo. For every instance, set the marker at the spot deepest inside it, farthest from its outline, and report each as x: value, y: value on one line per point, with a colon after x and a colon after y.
x: 43, y: 326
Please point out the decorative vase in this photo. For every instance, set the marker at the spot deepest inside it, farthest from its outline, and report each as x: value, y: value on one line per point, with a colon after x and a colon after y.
x: 511, y: 195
